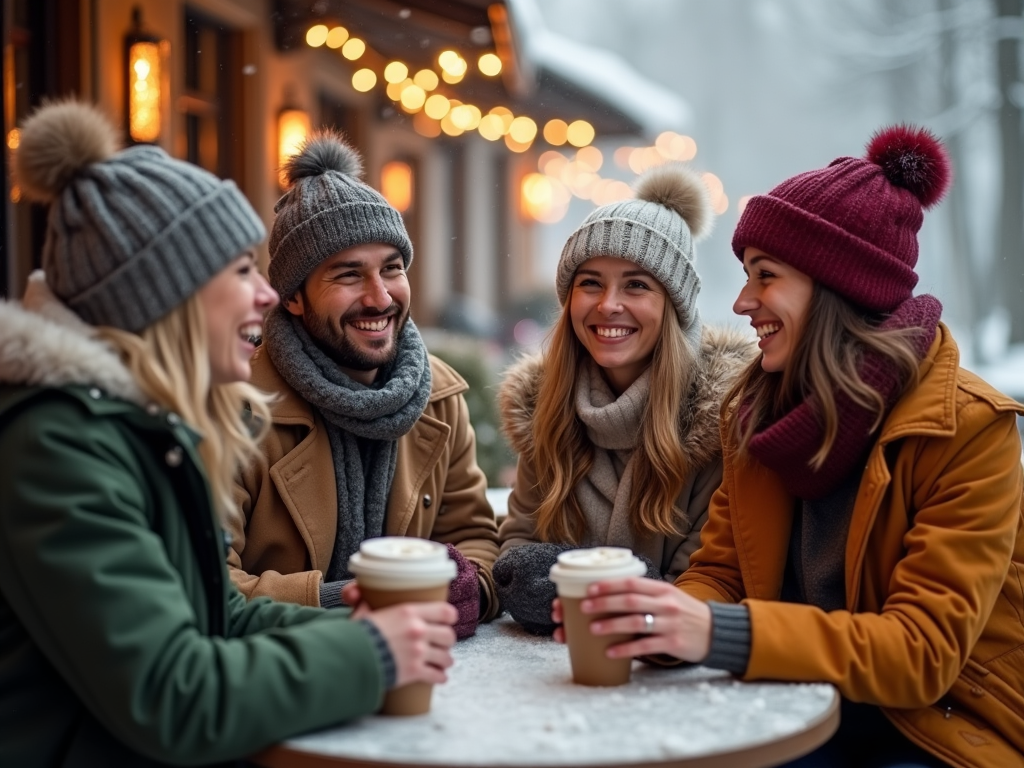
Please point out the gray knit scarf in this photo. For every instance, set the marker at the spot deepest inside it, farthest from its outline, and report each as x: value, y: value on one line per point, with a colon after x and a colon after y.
x: 363, y: 423
x: 613, y: 426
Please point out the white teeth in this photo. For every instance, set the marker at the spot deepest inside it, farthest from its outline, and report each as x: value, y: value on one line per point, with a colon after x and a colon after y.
x: 376, y: 325
x: 251, y: 332
x: 767, y: 329
x: 613, y: 333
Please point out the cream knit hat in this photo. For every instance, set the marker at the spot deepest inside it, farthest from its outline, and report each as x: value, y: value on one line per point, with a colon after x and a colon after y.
x: 656, y: 230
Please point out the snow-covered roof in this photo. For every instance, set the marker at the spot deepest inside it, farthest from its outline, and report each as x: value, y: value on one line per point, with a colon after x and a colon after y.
x: 604, y: 76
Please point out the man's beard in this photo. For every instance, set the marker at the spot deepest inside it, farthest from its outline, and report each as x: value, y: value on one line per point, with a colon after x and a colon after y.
x: 332, y: 339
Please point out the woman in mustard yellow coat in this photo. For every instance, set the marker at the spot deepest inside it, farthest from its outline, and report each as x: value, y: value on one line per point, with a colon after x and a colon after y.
x: 868, y: 529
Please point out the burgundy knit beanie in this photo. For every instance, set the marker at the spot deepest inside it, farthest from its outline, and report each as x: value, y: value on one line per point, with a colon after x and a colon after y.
x: 853, y: 225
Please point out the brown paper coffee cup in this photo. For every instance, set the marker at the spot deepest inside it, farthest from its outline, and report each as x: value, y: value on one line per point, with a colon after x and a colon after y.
x: 412, y: 699
x: 573, y: 573
x: 590, y: 665
x: 391, y: 570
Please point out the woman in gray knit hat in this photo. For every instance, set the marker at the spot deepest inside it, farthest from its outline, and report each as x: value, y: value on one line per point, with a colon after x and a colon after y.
x: 122, y: 384
x: 616, y: 423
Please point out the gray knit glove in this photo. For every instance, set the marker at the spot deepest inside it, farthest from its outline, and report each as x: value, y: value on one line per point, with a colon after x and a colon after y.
x: 525, y: 591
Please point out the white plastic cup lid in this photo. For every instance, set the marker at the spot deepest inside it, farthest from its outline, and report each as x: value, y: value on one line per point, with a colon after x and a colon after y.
x: 402, y: 558
x: 579, y: 567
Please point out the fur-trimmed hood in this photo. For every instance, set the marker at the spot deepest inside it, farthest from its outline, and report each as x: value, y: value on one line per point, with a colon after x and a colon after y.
x: 45, y: 344
x: 724, y: 353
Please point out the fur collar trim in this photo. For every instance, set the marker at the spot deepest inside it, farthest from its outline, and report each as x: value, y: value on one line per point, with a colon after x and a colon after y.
x: 43, y: 343
x: 725, y: 352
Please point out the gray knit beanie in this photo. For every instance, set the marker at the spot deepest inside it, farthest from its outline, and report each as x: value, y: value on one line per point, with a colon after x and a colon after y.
x: 656, y: 230
x: 131, y: 234
x: 327, y: 209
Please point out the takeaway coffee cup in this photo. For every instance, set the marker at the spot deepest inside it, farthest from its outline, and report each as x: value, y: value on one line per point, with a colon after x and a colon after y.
x: 572, y: 574
x: 392, y: 570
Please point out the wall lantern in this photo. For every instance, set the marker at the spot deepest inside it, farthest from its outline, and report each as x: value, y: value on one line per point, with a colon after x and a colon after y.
x: 293, y: 127
x: 396, y: 184
x: 143, y: 81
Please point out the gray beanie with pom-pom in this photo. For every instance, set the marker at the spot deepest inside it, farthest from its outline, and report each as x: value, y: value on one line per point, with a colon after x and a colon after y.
x: 327, y: 209
x: 131, y: 234
x: 655, y: 230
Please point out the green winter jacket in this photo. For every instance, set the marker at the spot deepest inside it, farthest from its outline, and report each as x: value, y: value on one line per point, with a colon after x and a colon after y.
x: 122, y: 639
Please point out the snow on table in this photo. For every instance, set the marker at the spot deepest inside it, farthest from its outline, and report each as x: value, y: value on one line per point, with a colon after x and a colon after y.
x: 510, y: 700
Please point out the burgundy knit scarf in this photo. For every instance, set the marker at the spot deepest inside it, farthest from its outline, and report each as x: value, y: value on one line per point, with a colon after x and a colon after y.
x: 787, y: 445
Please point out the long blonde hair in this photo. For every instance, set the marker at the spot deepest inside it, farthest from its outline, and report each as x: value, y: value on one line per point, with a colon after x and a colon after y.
x: 562, y: 454
x: 825, y: 360
x: 170, y: 361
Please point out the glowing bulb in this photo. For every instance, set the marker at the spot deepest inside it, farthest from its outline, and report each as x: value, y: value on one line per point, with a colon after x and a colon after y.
x: 396, y: 184
x: 363, y: 80
x: 450, y: 77
x: 450, y: 127
x: 396, y: 72
x: 353, y: 48
x: 506, y: 116
x: 316, y: 36
x: 437, y: 106
x: 413, y: 98
x: 489, y: 64
x: 514, y: 145
x: 337, y: 37
x: 449, y: 60
x: 579, y: 133
x: 523, y: 130
x: 491, y: 127
x: 555, y: 132
x: 426, y: 79
x: 395, y: 90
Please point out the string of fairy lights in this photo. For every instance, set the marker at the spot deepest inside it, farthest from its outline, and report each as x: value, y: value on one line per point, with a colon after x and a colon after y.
x: 546, y: 193
x: 434, y: 112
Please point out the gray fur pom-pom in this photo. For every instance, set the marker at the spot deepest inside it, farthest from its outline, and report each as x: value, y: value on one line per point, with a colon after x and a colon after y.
x: 57, y: 141
x: 679, y: 189
x: 325, y: 150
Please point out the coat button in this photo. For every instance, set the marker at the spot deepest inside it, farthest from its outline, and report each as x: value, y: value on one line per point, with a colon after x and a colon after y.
x: 153, y: 409
x: 427, y: 501
x: 174, y: 456
x: 95, y: 393
x: 173, y: 419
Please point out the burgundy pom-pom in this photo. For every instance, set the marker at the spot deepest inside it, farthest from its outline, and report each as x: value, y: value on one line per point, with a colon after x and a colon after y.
x: 912, y: 158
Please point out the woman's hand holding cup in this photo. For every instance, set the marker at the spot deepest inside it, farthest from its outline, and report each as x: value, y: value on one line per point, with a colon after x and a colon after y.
x: 420, y: 635
x: 679, y: 625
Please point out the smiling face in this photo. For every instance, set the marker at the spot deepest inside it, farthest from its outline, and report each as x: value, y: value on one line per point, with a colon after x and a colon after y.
x: 354, y: 304
x: 617, y: 310
x: 234, y: 303
x: 776, y: 298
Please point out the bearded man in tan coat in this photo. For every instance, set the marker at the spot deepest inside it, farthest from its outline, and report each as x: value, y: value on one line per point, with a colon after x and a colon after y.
x: 371, y: 434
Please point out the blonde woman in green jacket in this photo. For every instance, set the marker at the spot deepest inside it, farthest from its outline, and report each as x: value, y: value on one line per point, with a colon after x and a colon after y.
x: 122, y: 379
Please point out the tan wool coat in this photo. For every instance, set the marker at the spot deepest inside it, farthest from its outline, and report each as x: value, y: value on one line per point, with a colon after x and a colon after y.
x: 933, y: 630
x: 287, y: 513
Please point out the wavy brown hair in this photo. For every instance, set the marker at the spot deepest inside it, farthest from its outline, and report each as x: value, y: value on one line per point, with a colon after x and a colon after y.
x: 826, y: 360
x: 170, y: 361
x: 562, y: 454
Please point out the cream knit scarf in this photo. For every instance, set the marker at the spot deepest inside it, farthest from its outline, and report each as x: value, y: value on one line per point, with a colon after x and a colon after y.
x: 613, y: 426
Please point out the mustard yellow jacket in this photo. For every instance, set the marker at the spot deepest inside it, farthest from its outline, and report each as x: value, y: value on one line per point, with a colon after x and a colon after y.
x: 933, y: 630
x: 282, y: 535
